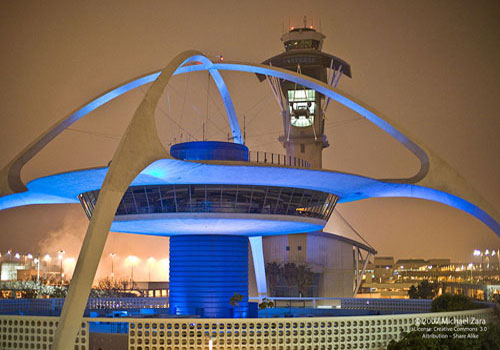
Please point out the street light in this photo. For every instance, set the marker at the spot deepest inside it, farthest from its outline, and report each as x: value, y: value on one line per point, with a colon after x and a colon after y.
x: 60, y: 254
x: 37, y: 262
x: 151, y: 261
x: 112, y: 255
x: 132, y: 259
x: 47, y: 258
x: 471, y: 266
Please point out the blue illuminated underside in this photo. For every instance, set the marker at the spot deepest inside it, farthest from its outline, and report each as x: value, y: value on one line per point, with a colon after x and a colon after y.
x: 65, y: 187
x: 235, y: 224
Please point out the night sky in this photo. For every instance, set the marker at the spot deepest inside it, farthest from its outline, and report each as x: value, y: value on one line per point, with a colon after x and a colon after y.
x: 430, y: 65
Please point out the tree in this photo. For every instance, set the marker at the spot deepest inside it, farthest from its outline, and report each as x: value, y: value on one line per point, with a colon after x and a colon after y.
x: 488, y: 338
x: 480, y: 338
x: 424, y: 290
x: 273, y: 273
x: 236, y: 300
x: 59, y: 292
x: 304, y: 278
x: 290, y: 274
x: 449, y: 302
x: 112, y: 288
x: 266, y: 304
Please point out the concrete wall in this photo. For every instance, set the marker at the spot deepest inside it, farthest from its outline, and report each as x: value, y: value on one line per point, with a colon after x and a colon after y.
x: 326, y: 255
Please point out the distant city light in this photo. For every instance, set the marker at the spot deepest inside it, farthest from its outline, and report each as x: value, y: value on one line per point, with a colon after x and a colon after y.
x: 29, y: 256
x: 476, y: 252
x: 486, y: 252
x: 47, y: 258
x: 17, y: 256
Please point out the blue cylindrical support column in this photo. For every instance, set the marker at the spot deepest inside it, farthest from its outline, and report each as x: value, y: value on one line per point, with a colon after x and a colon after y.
x: 205, y: 272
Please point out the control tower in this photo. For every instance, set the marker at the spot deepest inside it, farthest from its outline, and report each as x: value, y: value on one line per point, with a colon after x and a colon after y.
x: 303, y: 110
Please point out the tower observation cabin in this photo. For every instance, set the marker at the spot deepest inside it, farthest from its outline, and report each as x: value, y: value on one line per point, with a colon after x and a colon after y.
x: 303, y: 109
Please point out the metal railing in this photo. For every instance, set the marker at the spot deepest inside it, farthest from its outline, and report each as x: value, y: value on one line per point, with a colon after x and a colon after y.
x: 276, y: 159
x: 10, y: 306
x: 402, y: 305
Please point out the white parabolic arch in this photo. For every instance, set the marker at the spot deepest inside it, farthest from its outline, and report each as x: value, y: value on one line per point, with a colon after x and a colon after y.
x: 440, y: 176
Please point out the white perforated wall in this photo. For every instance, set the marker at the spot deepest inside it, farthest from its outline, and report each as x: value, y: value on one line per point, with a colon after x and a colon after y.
x: 311, y: 333
x: 32, y: 332
x: 369, y: 332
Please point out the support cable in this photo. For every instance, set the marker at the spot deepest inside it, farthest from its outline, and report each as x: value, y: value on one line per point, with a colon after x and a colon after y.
x: 352, y: 228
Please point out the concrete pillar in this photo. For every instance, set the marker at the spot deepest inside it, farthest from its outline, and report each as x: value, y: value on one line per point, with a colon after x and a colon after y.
x: 259, y: 265
x: 139, y: 147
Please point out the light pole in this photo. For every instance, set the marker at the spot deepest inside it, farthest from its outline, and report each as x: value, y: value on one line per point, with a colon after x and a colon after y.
x: 60, y: 254
x: 133, y: 260
x: 476, y: 253
x: 151, y: 261
x: 112, y: 255
x: 47, y: 258
x: 37, y: 262
x: 471, y: 266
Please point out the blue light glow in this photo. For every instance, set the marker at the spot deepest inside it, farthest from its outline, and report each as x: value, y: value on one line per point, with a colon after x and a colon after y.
x: 348, y: 187
x: 64, y: 188
x: 202, y: 281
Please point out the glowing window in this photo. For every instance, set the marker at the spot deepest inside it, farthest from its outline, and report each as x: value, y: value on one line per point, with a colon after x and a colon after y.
x: 302, y: 104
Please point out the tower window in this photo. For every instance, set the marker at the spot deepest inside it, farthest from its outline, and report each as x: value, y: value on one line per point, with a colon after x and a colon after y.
x: 287, y: 248
x: 302, y: 103
x: 302, y: 148
x: 299, y: 247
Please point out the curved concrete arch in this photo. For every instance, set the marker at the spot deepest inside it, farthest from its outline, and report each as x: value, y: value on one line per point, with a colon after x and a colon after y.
x: 10, y: 175
x: 341, y: 97
x: 139, y: 147
x: 441, y: 177
x: 435, y: 173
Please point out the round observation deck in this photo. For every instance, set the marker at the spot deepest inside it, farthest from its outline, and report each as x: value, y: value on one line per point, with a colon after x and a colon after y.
x: 170, y: 210
x: 229, y: 209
